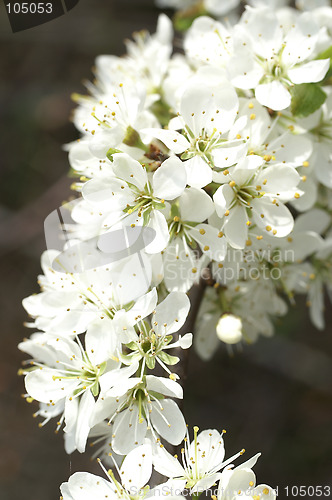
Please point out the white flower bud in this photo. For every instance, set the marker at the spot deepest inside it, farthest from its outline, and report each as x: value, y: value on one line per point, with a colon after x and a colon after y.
x: 229, y: 329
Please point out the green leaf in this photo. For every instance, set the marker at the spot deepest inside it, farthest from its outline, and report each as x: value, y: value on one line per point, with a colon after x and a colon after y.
x: 184, y: 18
x: 175, y: 210
x: 133, y: 139
x: 128, y: 359
x: 95, y: 389
x: 306, y: 98
x: 112, y: 152
x: 150, y: 362
x: 146, y: 216
x: 158, y: 206
x: 162, y: 111
x: 132, y: 345
x: 168, y: 359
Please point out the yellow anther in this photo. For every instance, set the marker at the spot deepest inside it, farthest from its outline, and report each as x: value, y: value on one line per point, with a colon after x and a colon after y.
x: 202, y: 231
x: 303, y: 178
x: 312, y: 276
x: 268, y: 228
x: 232, y: 184
x: 206, y: 248
x: 252, y: 116
x: 297, y: 195
x: 267, y: 157
x: 248, y: 243
x: 172, y: 376
x: 266, y: 491
x: 194, y: 270
x: 238, y: 136
x: 226, y: 172
x: 176, y: 218
x: 259, y: 237
x: 250, y: 105
x: 220, y: 234
x: 227, y: 213
x: 248, y: 223
x: 305, y: 164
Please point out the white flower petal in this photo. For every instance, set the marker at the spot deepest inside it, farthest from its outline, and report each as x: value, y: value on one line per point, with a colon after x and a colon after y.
x: 85, y: 410
x: 195, y: 205
x: 42, y: 387
x: 128, y: 431
x: 277, y: 179
x: 168, y: 421
x: 143, y: 306
x: 124, y: 167
x: 170, y: 179
x: 171, y: 313
x: 199, y: 173
x: 165, y: 463
x: 313, y: 71
x: 276, y: 216
x: 210, y: 241
x: 273, y: 95
x: 180, y: 266
x: 186, y: 341
x: 158, y: 223
x: 136, y: 468
x: 173, y: 140
x: 164, y: 386
x: 223, y: 198
x: 235, y: 227
x: 85, y: 486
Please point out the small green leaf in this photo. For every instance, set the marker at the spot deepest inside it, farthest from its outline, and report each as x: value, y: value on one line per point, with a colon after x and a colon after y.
x: 132, y: 345
x: 158, y: 206
x: 133, y: 139
x: 150, y: 362
x: 184, y: 18
x: 175, y: 210
x: 306, y: 98
x: 111, y: 152
x: 168, y: 359
x: 146, y: 216
x: 128, y: 359
x: 95, y: 389
x: 162, y: 111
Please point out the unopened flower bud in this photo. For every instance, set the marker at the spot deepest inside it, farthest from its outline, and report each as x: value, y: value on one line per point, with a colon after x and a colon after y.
x: 229, y: 329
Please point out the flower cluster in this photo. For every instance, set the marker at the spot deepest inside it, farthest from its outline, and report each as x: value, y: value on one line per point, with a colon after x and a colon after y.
x: 212, y: 165
x: 203, y: 467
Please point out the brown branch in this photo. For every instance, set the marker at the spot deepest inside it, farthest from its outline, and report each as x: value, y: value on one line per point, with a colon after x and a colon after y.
x: 195, y: 295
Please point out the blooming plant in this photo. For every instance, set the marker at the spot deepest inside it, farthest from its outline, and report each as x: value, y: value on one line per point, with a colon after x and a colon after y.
x: 206, y: 172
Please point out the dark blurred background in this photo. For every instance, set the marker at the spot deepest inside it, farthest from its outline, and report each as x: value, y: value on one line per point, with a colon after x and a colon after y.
x: 274, y: 397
